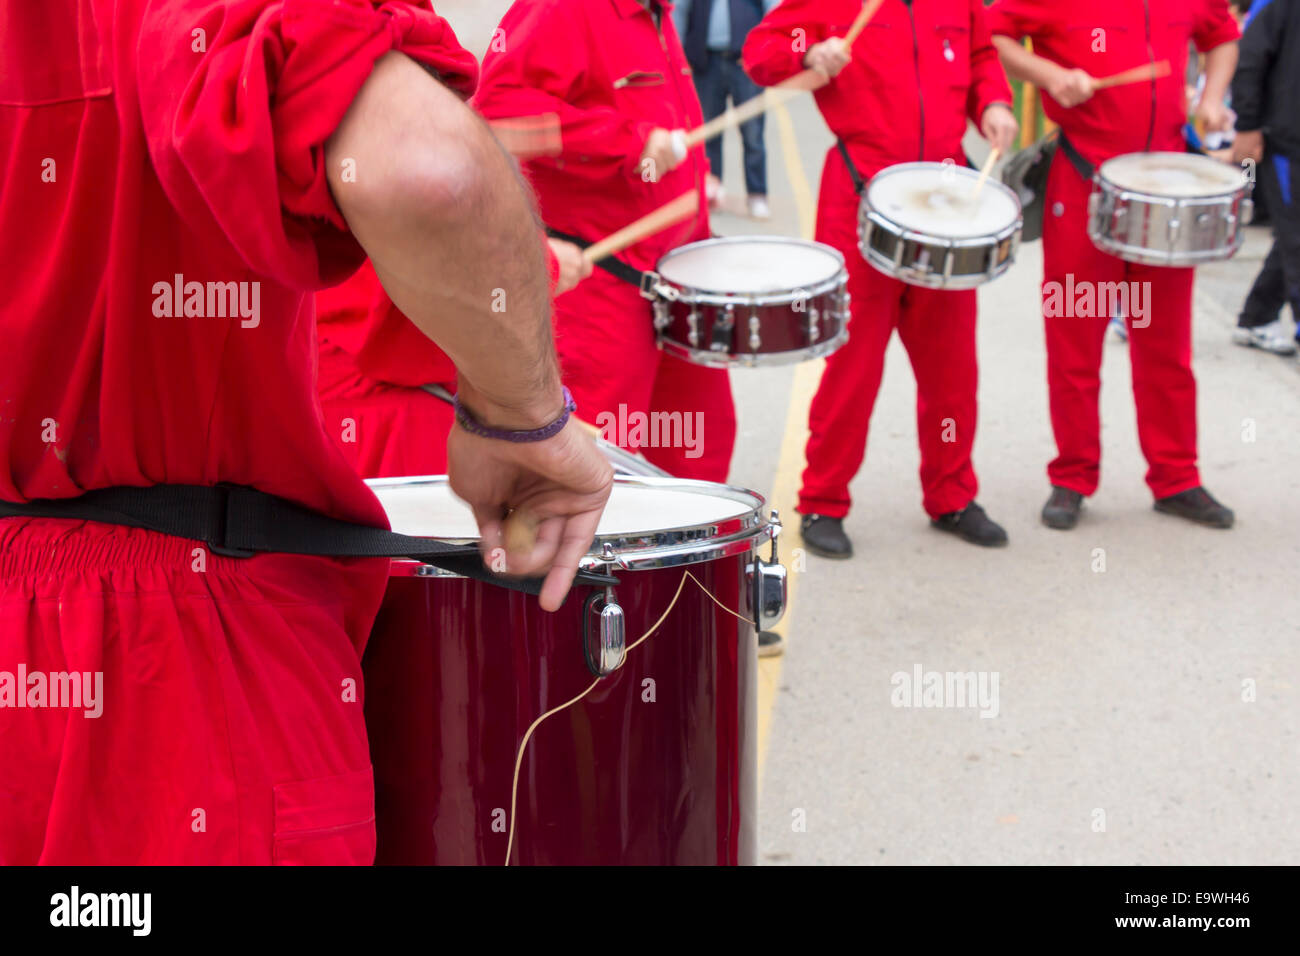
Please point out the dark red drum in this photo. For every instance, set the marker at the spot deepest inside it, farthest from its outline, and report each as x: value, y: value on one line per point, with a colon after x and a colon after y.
x: 656, y: 765
x: 750, y: 300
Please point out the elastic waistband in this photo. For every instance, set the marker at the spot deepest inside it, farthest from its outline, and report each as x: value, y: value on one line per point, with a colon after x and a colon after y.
x: 40, y: 547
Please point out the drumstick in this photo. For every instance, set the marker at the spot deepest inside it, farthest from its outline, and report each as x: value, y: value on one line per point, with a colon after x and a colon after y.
x: 528, y: 136
x: 803, y: 82
x: 683, y: 207
x: 984, y: 173
x: 1148, y: 71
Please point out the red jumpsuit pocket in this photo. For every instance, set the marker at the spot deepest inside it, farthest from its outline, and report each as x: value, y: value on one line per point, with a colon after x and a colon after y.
x: 329, y: 821
x: 954, y: 54
x: 638, y: 79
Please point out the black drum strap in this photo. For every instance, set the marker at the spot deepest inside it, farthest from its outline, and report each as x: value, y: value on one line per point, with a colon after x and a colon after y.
x: 858, y: 184
x: 1081, y: 165
x: 615, y: 267
x: 237, y: 521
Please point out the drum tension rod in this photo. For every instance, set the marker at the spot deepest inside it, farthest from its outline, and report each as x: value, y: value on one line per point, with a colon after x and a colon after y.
x: 604, y: 638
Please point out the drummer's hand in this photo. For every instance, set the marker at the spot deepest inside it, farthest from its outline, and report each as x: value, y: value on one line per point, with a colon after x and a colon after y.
x: 664, y: 151
x: 574, y: 266
x: 999, y: 127
x: 559, y: 486
x: 828, y: 57
x: 1214, y: 117
x: 1072, y: 87
x: 1248, y: 145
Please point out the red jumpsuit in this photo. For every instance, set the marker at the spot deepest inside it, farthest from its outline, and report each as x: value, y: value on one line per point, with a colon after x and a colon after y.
x: 373, y: 362
x: 1104, y: 39
x: 612, y: 75
x: 918, y: 72
x: 144, y: 142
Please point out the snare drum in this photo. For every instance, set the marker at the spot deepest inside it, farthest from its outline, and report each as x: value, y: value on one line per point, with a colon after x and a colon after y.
x: 1168, y: 209
x: 750, y: 300
x: 919, y: 222
x: 656, y: 765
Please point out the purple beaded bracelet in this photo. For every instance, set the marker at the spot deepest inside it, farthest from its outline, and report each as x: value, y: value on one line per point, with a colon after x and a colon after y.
x: 475, y: 427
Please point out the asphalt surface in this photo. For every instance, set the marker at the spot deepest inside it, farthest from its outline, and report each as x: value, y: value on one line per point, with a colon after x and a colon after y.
x: 1147, y: 669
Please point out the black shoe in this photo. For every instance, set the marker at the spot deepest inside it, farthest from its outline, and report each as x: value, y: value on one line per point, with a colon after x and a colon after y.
x: 1062, y: 509
x: 1197, y: 504
x: 973, y: 525
x: 770, y: 644
x: 825, y: 536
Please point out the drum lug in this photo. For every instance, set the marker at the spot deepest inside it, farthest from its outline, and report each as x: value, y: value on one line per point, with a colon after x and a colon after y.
x: 814, y: 324
x: 1172, y: 229
x: 722, y: 328
x: 768, y: 582
x: 693, y: 333
x: 1247, y: 213
x: 662, y: 318
x: 604, y: 638
x: 755, y: 341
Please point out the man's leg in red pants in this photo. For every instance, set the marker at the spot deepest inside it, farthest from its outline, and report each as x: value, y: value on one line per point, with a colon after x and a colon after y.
x: 1164, y: 388
x: 841, y: 409
x: 701, y: 417
x: 938, y: 330
x: 1074, y: 343
x: 604, y: 334
x: 220, y: 715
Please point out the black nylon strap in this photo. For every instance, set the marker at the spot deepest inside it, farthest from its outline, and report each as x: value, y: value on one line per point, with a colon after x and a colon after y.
x: 237, y: 521
x: 858, y: 184
x: 1081, y: 165
x: 615, y: 267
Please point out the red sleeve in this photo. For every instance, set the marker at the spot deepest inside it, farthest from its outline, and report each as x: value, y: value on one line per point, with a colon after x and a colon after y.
x: 1017, y: 18
x: 774, y: 50
x: 536, y: 64
x: 988, y: 80
x: 237, y: 112
x: 1214, y: 26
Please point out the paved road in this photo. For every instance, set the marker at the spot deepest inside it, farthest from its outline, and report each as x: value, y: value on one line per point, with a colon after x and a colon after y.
x: 1122, y: 734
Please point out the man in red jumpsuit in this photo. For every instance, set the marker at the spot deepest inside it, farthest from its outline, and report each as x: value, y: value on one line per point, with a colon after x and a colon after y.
x: 177, y: 179
x: 374, y: 365
x: 1074, y: 42
x: 615, y: 74
x: 903, y: 94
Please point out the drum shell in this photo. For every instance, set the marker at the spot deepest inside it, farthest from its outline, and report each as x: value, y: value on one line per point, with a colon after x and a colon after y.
x: 457, y: 670
x: 789, y: 329
x: 934, y: 262
x: 1166, y: 231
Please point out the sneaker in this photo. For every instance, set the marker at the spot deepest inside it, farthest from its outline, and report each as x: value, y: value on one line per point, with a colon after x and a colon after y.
x: 825, y: 536
x: 770, y: 644
x: 1270, y: 338
x: 1197, y: 504
x: 1119, y: 328
x: 714, y: 192
x: 1062, y: 509
x: 759, y: 209
x: 972, y: 524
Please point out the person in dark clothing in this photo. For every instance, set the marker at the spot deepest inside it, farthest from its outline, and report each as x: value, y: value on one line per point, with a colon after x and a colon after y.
x: 713, y: 32
x: 1268, y: 133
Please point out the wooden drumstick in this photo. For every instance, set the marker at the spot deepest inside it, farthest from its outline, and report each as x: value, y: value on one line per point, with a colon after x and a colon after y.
x: 520, y: 531
x: 868, y: 11
x: 528, y: 136
x: 1148, y: 71
x: 984, y: 173
x: 683, y: 207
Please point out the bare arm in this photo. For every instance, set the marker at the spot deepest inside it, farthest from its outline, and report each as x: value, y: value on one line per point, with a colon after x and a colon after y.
x: 1220, y: 64
x: 452, y: 233
x: 451, y: 230
x: 1067, y: 87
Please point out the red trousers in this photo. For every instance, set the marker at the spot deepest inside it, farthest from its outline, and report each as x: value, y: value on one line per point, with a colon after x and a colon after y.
x: 605, y: 337
x: 1160, y: 349
x: 938, y: 330
x: 229, y: 725
x: 384, y: 430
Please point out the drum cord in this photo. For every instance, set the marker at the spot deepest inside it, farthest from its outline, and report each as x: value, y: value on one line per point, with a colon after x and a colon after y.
x: 523, y: 744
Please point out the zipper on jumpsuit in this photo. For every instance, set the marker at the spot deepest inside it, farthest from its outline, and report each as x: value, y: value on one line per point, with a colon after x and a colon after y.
x: 668, y: 68
x: 920, y: 94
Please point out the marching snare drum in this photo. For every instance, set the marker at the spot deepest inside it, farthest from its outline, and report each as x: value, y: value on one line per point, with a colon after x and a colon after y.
x: 921, y: 223
x: 1168, y: 209
x: 656, y: 765
x: 750, y: 300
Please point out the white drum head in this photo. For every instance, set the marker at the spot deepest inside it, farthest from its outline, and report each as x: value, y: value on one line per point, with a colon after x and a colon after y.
x: 426, y: 507
x: 1173, y: 175
x: 935, y: 199
x: 750, y: 265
